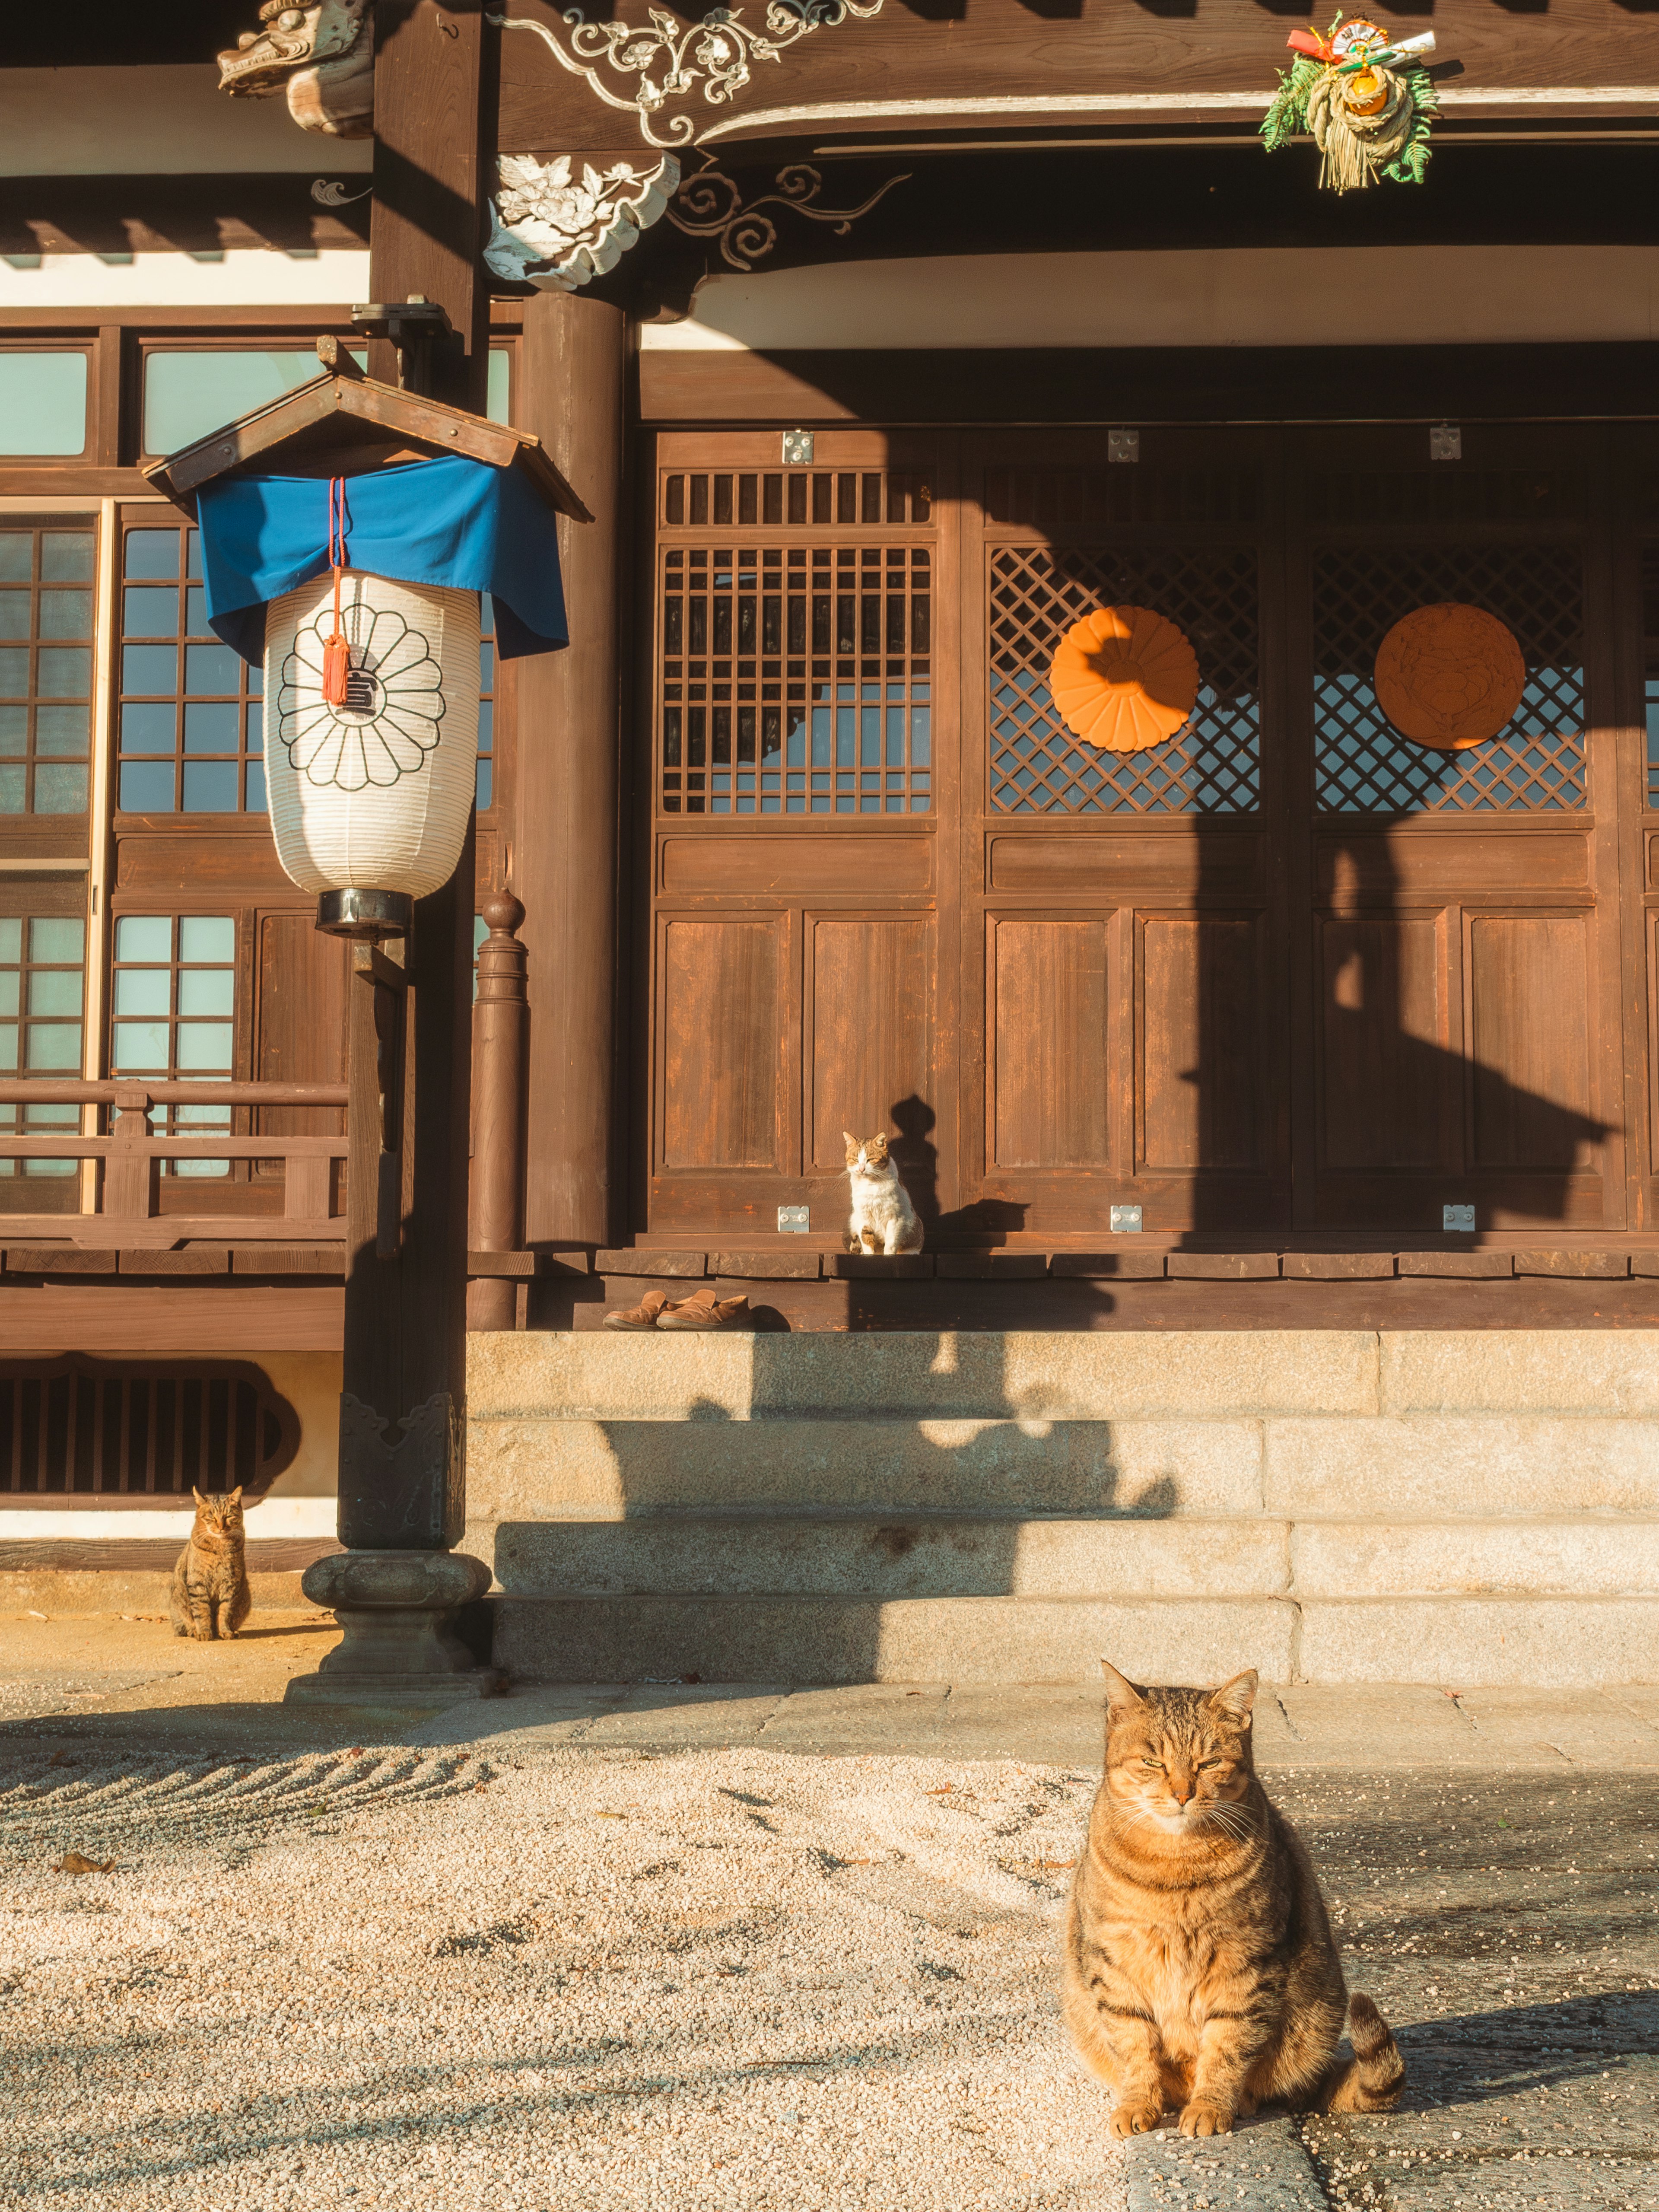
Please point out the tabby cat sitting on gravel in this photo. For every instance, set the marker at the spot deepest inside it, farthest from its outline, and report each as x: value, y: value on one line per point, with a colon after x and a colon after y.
x: 1199, y: 1966
x: 210, y: 1596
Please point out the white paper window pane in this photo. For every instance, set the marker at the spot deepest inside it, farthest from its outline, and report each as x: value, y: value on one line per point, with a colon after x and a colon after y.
x: 54, y: 1047
x: 43, y: 403
x: 500, y: 386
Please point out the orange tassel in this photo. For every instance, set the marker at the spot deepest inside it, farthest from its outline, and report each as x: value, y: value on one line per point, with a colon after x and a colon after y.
x: 337, y: 652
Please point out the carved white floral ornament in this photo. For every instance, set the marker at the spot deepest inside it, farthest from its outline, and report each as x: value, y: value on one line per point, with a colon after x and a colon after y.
x: 393, y: 705
x: 670, y: 59
x: 555, y: 232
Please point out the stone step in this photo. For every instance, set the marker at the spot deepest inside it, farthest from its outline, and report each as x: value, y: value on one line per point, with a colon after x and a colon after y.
x: 1426, y: 1465
x: 813, y: 1555
x: 1454, y: 1643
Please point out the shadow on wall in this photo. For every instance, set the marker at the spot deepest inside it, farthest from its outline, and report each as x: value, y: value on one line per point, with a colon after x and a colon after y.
x: 841, y: 1479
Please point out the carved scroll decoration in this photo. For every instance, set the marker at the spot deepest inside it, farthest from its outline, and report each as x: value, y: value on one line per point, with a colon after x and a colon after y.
x: 558, y: 234
x: 713, y: 207
x: 668, y: 61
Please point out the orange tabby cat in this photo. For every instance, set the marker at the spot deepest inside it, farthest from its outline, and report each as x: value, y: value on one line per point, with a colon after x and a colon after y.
x: 211, y: 1596
x: 1199, y: 1966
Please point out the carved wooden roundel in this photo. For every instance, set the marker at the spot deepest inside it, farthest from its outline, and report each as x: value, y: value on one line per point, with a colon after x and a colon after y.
x: 1123, y: 679
x: 1449, y: 675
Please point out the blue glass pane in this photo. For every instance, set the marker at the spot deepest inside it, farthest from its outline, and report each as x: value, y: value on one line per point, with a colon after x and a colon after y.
x: 149, y: 668
x: 196, y: 612
x: 146, y: 787
x: 486, y: 666
x: 143, y: 937
x: 210, y: 787
x: 212, y: 729
x: 150, y: 610
x: 207, y: 991
x: 256, y: 682
x: 484, y: 786
x: 207, y: 936
x: 255, y: 733
x: 212, y: 668
x: 203, y: 1045
x: 486, y: 727
x: 256, y: 802
x: 152, y: 552
x: 144, y: 990
x: 149, y: 728
x: 139, y: 1045
x: 193, y: 555
x: 43, y: 403
x: 188, y: 394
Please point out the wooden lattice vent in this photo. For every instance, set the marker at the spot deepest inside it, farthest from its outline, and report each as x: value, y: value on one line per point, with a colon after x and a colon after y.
x: 76, y: 1425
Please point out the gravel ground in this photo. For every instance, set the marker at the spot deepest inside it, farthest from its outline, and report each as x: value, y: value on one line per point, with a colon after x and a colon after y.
x: 597, y: 1980
x: 728, y: 1978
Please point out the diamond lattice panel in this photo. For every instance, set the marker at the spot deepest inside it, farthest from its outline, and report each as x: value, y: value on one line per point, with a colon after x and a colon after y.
x: 1212, y: 766
x: 1361, y: 766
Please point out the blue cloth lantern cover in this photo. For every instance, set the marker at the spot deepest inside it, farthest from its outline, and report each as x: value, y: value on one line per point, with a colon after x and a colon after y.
x: 359, y: 597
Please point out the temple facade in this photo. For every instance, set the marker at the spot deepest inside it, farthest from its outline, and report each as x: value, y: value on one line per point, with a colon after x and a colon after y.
x: 1261, y: 1022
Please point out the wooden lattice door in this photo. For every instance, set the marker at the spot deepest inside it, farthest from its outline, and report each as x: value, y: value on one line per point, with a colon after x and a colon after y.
x: 1124, y: 931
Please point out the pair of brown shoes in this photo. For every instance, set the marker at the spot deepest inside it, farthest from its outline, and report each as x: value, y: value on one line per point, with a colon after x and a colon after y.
x: 702, y: 1309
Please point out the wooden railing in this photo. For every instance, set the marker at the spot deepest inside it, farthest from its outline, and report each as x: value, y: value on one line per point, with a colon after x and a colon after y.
x: 131, y: 1155
x: 120, y: 1207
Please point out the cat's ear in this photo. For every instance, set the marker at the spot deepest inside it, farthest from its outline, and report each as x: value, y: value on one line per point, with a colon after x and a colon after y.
x: 236, y: 1495
x: 1121, y: 1694
x: 197, y: 1495
x: 851, y: 1140
x: 1235, y: 1698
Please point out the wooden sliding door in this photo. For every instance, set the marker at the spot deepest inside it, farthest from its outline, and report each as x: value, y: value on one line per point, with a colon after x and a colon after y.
x: 1286, y: 970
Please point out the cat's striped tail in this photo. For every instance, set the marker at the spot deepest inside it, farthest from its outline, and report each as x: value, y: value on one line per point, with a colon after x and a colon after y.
x: 1373, y: 2078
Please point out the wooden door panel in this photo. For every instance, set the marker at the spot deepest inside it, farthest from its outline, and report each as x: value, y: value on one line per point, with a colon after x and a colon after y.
x: 299, y: 1022
x: 869, y: 1062
x: 1200, y: 1019
x: 1049, y: 1079
x: 1389, y: 1081
x: 721, y: 1039
x: 1529, y: 993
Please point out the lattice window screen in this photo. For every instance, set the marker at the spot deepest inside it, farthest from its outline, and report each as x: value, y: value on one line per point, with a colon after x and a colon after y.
x: 796, y: 679
x: 1535, y: 764
x: 1212, y: 766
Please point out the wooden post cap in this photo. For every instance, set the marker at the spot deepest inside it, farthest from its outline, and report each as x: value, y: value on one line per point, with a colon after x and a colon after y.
x: 503, y: 911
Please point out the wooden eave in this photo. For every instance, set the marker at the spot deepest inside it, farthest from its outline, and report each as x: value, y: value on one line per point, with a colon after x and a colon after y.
x: 367, y: 407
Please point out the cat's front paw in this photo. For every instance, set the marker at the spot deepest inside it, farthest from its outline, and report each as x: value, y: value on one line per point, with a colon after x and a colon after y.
x: 1199, y: 2118
x: 1138, y: 2116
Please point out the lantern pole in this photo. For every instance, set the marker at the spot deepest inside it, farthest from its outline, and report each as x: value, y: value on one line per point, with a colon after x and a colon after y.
x: 399, y: 1584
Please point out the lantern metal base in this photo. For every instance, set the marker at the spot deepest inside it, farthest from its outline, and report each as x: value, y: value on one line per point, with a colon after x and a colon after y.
x: 365, y: 915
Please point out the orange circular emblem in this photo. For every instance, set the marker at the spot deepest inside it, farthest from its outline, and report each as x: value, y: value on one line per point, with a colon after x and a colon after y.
x: 1123, y: 679
x: 1449, y: 677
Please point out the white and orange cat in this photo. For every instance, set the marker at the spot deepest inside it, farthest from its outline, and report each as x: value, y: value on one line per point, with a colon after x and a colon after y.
x: 884, y: 1219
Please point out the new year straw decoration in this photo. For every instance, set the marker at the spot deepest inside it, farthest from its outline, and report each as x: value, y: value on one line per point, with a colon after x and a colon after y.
x: 1366, y: 99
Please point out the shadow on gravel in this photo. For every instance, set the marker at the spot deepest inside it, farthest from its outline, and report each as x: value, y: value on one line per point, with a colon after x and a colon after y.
x: 1467, y: 2055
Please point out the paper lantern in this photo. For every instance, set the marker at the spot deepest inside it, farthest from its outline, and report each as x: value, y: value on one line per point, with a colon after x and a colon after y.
x: 372, y: 794
x: 1123, y: 679
x: 1449, y: 675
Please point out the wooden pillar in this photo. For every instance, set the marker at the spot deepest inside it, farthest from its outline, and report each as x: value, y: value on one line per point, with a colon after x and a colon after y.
x: 565, y: 855
x: 501, y: 1033
x: 402, y: 1404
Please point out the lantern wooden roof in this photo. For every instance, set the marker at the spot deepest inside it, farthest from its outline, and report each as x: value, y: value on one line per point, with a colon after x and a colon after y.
x: 345, y: 423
